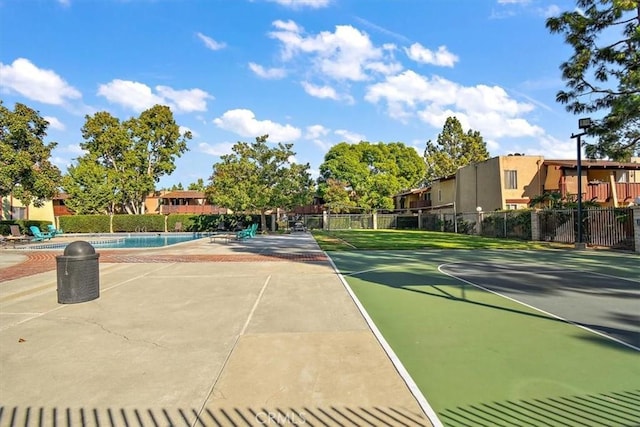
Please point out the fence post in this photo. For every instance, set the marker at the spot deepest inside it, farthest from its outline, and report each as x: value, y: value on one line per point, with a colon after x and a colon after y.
x: 325, y: 222
x: 375, y: 220
x: 636, y: 227
x: 535, y: 226
x: 419, y: 219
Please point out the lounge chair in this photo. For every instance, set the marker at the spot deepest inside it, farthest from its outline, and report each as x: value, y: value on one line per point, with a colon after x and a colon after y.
x: 177, y: 227
x: 248, y: 232
x: 16, y: 236
x: 39, y: 236
x: 53, y: 230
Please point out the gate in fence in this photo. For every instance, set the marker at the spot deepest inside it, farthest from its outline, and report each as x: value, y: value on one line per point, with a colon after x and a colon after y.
x: 610, y: 227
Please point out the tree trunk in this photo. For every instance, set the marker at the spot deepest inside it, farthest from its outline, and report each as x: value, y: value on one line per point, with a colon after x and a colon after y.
x: 263, y: 220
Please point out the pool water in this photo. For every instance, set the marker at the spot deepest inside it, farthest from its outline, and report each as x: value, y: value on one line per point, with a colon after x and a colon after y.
x: 147, y: 241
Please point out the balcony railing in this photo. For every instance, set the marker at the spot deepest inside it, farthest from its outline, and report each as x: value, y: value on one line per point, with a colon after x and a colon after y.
x: 420, y: 204
x: 601, y: 192
x: 192, y: 209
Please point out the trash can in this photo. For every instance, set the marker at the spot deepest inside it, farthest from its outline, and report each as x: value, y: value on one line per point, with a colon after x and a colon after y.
x: 78, y: 275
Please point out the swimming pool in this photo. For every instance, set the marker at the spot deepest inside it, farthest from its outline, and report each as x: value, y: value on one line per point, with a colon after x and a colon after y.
x: 155, y: 241
x: 121, y: 241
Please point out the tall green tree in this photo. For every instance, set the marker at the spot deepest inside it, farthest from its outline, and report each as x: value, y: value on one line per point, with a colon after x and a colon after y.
x: 368, y: 175
x: 26, y: 171
x: 92, y: 188
x: 129, y: 157
x: 256, y: 178
x: 199, y: 185
x: 603, y: 72
x: 453, y: 149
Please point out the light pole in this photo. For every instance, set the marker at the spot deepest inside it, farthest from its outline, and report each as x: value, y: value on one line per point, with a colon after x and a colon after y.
x: 583, y: 124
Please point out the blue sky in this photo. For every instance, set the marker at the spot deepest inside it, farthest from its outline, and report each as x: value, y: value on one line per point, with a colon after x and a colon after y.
x: 311, y: 72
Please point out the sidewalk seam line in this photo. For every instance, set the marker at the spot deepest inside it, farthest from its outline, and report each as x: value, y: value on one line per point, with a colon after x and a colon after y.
x: 233, y: 347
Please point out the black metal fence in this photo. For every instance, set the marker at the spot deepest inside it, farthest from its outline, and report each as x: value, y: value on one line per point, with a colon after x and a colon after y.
x: 608, y: 227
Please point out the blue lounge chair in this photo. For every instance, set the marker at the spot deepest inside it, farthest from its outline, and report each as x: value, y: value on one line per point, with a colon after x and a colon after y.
x: 248, y: 232
x: 53, y: 230
x: 39, y: 236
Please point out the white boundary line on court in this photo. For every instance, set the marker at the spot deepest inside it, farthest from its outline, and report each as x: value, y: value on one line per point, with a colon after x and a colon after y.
x: 413, y: 387
x: 534, y: 308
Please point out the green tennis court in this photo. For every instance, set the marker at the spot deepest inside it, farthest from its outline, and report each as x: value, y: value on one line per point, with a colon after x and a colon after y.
x: 507, y: 338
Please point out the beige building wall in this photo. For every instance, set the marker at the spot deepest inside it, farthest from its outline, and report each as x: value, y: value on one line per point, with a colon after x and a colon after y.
x: 484, y: 184
x: 443, y: 194
x: 43, y: 213
x: 528, y: 177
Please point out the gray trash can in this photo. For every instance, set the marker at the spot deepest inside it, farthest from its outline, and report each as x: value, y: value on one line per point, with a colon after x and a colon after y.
x: 78, y: 275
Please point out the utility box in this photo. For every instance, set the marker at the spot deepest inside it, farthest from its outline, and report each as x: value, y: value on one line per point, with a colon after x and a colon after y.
x: 78, y: 273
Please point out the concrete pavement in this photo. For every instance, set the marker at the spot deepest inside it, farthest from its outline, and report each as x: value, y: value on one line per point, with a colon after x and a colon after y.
x: 252, y: 334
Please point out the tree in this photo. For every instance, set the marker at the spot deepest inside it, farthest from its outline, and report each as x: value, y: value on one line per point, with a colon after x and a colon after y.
x: 91, y: 188
x: 603, y: 73
x: 257, y: 178
x: 25, y: 169
x: 199, y: 185
x: 367, y: 175
x: 129, y: 157
x: 453, y: 149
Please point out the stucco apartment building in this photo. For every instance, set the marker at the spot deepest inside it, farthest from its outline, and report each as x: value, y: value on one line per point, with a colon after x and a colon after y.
x: 510, y: 182
x: 160, y: 202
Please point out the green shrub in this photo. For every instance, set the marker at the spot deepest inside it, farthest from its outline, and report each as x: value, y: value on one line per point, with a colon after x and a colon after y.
x: 138, y: 223
x: 85, y: 223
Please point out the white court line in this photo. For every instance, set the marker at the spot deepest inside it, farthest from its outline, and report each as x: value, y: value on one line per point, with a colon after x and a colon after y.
x: 404, y: 374
x: 534, y: 308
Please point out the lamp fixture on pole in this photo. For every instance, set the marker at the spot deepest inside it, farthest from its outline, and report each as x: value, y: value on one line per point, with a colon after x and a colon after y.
x: 583, y: 124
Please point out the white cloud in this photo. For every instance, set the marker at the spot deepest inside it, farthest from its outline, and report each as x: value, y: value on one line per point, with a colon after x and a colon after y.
x: 350, y: 137
x: 442, y: 57
x: 65, y: 3
x: 298, y: 4
x: 138, y: 96
x: 185, y: 100
x: 316, y: 131
x: 346, y: 54
x: 218, y: 150
x: 551, y: 10
x: 488, y: 109
x: 74, y: 149
x: 243, y: 122
x: 54, y: 123
x: 211, y: 43
x: 553, y: 148
x: 322, y: 92
x: 37, y: 84
x: 317, y: 135
x: 267, y: 73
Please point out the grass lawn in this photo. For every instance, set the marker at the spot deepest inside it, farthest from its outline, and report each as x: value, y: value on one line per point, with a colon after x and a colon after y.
x: 480, y: 359
x: 416, y: 239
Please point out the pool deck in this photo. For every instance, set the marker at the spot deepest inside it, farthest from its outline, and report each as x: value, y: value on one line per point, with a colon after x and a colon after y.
x: 255, y: 332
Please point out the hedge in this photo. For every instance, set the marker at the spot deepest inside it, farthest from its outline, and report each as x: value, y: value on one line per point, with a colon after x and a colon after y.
x: 154, y: 223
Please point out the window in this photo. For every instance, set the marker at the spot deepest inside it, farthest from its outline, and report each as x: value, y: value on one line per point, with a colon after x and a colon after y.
x: 512, y: 207
x: 622, y: 176
x: 510, y: 180
x: 18, y: 212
